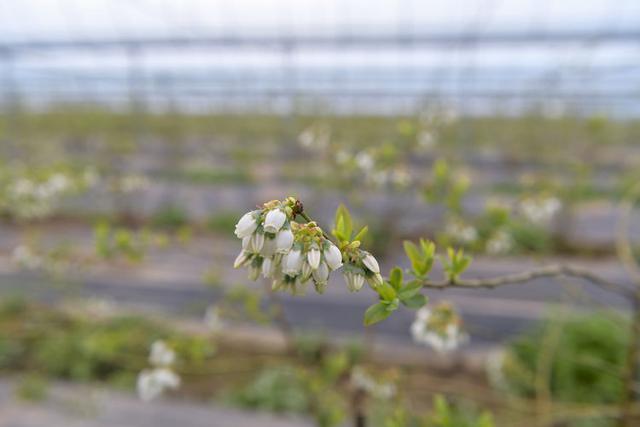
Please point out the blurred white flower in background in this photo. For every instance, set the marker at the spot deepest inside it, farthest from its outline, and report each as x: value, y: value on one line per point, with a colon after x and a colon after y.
x: 153, y: 382
x: 540, y: 210
x: 161, y: 354
x: 500, y: 243
x: 364, y: 161
x: 461, y: 232
x: 378, y: 389
x: 439, y: 328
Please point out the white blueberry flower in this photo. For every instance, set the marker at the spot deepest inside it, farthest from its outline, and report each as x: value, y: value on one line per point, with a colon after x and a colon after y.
x: 333, y: 257
x: 354, y: 281
x: 292, y: 263
x: 246, y: 241
x: 268, y: 248
x: 256, y: 242
x: 371, y: 263
x: 267, y: 267
x: 306, y: 271
x: 242, y: 259
x: 246, y: 226
x: 161, y: 354
x: 284, y: 240
x: 274, y: 220
x: 438, y: 328
x: 313, y: 258
x: 321, y: 274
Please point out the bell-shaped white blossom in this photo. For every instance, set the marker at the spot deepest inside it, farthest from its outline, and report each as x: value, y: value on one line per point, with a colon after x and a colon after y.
x: 267, y: 267
x: 161, y: 354
x: 152, y: 383
x: 274, y: 220
x: 284, y: 240
x: 246, y: 226
x: 268, y: 247
x: 256, y: 242
x: 371, y: 263
x: 313, y: 258
x: 305, y: 271
x: 321, y: 274
x: 354, y: 281
x: 333, y: 257
x: 242, y: 259
x: 292, y: 263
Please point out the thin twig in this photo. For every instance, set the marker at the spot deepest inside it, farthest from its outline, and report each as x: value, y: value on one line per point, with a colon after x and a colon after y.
x: 527, y: 276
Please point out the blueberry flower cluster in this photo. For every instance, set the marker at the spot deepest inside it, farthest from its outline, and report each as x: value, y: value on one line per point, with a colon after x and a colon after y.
x: 439, y: 327
x: 290, y: 253
x: 360, y: 266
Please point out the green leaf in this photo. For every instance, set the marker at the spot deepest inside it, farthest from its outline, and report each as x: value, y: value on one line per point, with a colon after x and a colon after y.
x: 395, y: 278
x: 338, y: 231
x: 363, y: 231
x: 347, y: 224
x: 410, y: 290
x: 416, y: 301
x: 386, y: 292
x: 375, y: 314
x: 413, y: 253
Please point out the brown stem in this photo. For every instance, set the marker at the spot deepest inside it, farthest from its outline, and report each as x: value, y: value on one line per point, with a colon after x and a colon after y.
x: 547, y: 271
x: 357, y: 403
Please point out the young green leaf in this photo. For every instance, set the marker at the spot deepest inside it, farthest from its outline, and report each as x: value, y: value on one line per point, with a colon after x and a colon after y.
x: 347, y: 224
x: 375, y: 314
x: 412, y: 288
x: 363, y: 232
x: 416, y: 301
x: 386, y: 292
x: 395, y: 278
x: 413, y: 254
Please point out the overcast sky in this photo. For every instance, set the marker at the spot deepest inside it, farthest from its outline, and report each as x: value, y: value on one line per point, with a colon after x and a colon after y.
x: 94, y: 18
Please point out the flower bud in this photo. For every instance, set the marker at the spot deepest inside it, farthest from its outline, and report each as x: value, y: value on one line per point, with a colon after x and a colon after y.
x: 306, y: 271
x: 284, y: 240
x: 375, y: 280
x: 354, y: 281
x: 246, y: 225
x: 242, y: 259
x: 292, y: 263
x: 321, y: 274
x: 333, y: 257
x: 274, y: 221
x: 267, y: 265
x: 371, y: 263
